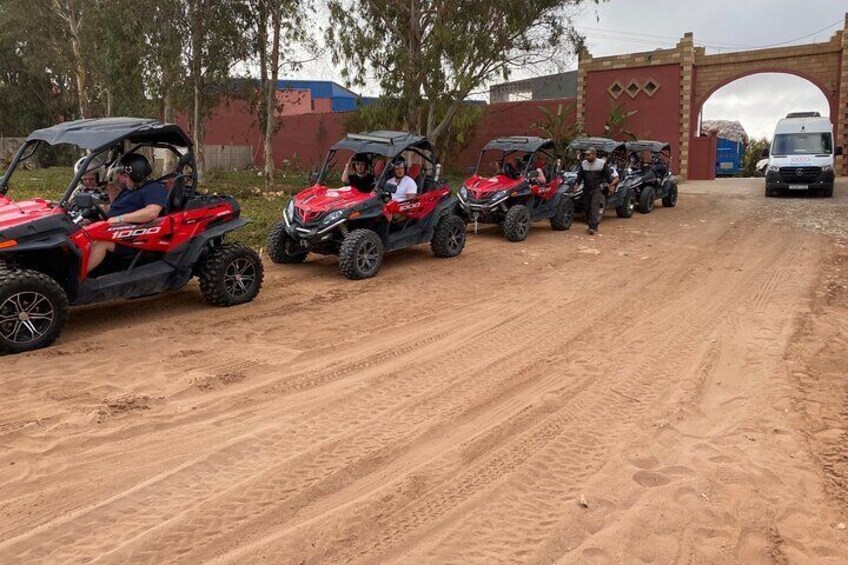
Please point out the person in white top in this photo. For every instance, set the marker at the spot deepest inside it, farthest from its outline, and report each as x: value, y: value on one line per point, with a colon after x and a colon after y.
x: 406, y: 187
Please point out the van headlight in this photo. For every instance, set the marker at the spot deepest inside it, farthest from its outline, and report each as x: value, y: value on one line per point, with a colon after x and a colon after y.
x: 827, y: 168
x: 772, y: 169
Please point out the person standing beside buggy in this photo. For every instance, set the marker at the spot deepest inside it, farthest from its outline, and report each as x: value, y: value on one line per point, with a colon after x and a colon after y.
x: 136, y: 200
x: 594, y: 173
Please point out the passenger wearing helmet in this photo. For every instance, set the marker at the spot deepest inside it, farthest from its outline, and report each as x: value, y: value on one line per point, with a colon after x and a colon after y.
x: 406, y: 187
x: 138, y: 200
x: 357, y: 174
x: 88, y: 181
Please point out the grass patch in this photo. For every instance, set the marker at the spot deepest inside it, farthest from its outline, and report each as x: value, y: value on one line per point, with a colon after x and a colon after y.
x: 262, y: 207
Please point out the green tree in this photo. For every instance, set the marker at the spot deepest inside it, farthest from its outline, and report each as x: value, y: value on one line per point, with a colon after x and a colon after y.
x: 615, y: 126
x: 214, y: 45
x: 560, y: 126
x: 278, y: 28
x: 432, y: 54
x: 753, y: 154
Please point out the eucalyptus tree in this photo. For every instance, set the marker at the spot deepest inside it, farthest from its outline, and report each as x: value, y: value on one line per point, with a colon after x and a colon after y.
x: 433, y: 54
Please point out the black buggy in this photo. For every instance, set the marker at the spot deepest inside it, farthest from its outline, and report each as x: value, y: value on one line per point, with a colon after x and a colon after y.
x: 624, y: 199
x: 649, y: 174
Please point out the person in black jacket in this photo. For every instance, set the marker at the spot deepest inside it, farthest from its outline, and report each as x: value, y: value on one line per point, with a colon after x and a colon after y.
x: 594, y: 173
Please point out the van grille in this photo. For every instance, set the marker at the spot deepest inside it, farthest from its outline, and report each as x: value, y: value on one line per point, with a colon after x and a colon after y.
x: 800, y: 174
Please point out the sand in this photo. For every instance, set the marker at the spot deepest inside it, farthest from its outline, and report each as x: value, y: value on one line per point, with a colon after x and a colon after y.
x: 671, y: 391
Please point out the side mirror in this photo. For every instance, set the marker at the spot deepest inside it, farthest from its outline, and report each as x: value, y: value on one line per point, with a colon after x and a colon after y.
x: 838, y: 150
x: 391, y: 188
x: 765, y: 153
x: 313, y: 178
x: 84, y: 200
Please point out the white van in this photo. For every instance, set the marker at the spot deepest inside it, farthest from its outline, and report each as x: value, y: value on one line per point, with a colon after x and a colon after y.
x: 802, y: 155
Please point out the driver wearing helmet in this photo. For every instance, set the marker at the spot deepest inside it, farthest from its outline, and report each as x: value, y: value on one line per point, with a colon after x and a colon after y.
x: 360, y: 177
x: 136, y: 200
x: 406, y: 187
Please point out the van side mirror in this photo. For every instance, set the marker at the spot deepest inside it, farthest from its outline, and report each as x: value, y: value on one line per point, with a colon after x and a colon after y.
x: 838, y: 150
x: 765, y: 153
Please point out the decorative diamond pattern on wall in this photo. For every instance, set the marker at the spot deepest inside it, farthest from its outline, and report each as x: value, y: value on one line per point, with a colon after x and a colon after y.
x: 615, y: 90
x: 633, y: 88
x: 650, y: 87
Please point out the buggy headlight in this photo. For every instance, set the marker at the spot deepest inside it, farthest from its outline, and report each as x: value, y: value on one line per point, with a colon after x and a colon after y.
x: 334, y: 216
x: 463, y: 192
x: 500, y: 194
x: 290, y: 210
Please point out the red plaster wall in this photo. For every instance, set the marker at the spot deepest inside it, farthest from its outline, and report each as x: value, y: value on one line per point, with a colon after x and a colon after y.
x: 508, y: 118
x: 308, y: 136
x: 657, y: 117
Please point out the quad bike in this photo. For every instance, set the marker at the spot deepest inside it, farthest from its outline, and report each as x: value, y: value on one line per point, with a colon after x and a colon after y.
x: 623, y: 200
x: 652, y: 179
x: 514, y: 197
x: 45, y: 246
x: 360, y: 226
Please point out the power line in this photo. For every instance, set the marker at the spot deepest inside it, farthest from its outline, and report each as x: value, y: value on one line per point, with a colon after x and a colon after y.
x: 628, y: 36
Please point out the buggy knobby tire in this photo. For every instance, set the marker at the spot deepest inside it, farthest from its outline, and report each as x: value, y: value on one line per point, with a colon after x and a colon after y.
x: 33, y: 310
x: 282, y: 248
x: 516, y: 225
x: 231, y: 274
x: 646, y: 200
x: 670, y: 199
x: 361, y: 254
x: 449, y: 237
x: 628, y: 207
x: 563, y: 215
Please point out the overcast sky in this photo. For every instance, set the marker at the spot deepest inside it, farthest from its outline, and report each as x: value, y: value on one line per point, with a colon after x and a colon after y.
x: 624, y: 26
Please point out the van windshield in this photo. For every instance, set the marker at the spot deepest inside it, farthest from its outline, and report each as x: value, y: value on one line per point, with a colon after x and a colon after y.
x: 802, y: 144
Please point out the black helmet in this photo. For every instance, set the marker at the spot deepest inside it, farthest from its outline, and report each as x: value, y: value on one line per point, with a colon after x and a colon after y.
x: 400, y: 161
x: 361, y: 158
x: 135, y: 165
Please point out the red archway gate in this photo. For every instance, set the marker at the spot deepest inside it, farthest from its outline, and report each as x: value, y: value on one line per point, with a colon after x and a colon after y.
x: 668, y: 87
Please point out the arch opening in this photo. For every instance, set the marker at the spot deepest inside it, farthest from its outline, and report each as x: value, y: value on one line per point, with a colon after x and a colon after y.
x: 759, y: 100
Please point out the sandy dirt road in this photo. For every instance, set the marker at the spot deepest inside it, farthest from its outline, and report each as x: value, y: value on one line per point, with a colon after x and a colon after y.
x: 671, y: 391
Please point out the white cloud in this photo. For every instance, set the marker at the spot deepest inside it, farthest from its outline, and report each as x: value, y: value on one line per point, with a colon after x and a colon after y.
x: 759, y: 101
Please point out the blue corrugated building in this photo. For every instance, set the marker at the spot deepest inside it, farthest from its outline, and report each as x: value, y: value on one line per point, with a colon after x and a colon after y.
x: 340, y: 98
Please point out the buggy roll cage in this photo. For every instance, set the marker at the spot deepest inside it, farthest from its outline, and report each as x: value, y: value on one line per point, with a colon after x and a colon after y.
x: 98, y: 136
x: 519, y: 144
x: 387, y: 144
